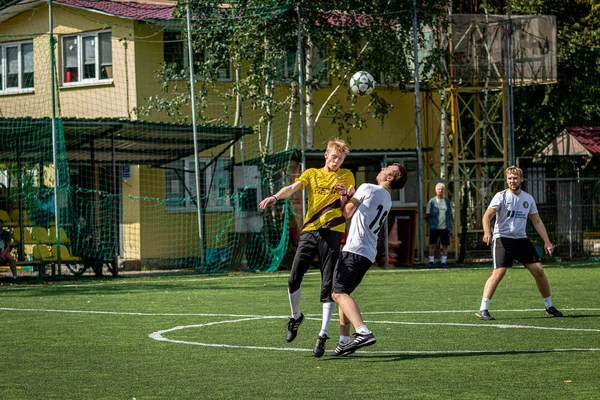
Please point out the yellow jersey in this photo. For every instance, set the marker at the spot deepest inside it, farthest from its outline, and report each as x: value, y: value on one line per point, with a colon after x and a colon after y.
x: 324, y: 204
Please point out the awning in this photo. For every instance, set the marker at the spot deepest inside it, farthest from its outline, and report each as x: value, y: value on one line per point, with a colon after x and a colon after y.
x: 124, y: 142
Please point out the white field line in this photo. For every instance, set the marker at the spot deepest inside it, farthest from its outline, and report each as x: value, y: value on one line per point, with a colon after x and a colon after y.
x: 485, y: 325
x: 159, y: 336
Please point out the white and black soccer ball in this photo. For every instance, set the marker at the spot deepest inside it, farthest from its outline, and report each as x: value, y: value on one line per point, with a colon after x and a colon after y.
x: 362, y: 83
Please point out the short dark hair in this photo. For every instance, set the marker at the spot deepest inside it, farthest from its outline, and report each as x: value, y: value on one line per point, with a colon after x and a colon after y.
x: 399, y: 178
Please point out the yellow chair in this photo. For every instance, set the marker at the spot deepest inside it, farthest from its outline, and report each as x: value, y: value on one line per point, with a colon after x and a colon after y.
x: 27, y: 238
x: 65, y: 255
x: 63, y: 235
x: 40, y: 235
x: 15, y: 217
x: 42, y: 253
x: 4, y: 217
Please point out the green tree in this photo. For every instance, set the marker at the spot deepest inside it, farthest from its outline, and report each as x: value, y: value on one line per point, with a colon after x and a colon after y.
x: 542, y: 111
x: 261, y: 36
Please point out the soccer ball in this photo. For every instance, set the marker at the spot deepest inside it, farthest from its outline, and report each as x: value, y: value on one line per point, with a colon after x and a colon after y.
x: 362, y: 83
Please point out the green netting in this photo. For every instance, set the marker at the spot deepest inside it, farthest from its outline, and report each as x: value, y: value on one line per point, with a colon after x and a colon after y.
x: 120, y: 149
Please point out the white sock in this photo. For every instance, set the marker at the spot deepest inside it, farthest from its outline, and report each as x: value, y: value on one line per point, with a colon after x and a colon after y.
x: 444, y: 258
x: 362, y: 330
x: 431, y: 259
x: 548, y: 301
x: 295, y: 302
x: 485, y: 303
x: 327, y: 312
x: 344, y: 339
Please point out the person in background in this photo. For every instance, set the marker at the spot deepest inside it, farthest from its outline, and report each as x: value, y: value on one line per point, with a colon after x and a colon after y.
x: 439, y: 218
x: 87, y: 247
x: 5, y: 256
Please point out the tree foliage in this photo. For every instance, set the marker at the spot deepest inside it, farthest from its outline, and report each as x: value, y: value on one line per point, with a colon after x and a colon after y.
x: 260, y: 35
x: 541, y: 112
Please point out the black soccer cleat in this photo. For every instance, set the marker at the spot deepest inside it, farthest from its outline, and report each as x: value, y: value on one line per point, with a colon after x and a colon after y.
x: 554, y: 312
x: 484, y: 315
x: 368, y: 339
x: 339, y: 350
x: 293, y: 325
x: 319, y: 348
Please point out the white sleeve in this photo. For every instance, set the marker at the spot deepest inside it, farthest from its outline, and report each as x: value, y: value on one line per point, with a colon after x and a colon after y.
x: 533, y: 208
x: 496, y: 201
x: 362, y: 193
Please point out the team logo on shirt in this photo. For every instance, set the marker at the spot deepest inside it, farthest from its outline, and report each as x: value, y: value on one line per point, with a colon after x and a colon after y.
x: 525, y: 204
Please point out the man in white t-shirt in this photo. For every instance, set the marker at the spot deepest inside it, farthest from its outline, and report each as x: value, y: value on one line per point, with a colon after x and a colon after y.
x: 368, y: 208
x: 512, y: 207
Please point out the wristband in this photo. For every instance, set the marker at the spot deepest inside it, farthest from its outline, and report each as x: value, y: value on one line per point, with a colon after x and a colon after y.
x: 275, y: 197
x: 343, y: 194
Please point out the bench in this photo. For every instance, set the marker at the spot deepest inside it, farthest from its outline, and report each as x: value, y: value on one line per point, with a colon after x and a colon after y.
x: 26, y: 263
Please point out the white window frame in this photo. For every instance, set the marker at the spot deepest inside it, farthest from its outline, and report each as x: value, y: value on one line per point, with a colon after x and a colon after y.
x: 80, y: 61
x: 219, y: 198
x: 225, y: 73
x: 288, y: 65
x: 4, y: 68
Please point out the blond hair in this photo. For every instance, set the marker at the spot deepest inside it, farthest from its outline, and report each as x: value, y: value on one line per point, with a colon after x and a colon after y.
x: 338, y: 145
x: 514, y: 170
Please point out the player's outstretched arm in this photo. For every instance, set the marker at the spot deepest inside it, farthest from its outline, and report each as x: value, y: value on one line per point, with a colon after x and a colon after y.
x: 285, y: 192
x: 350, y: 208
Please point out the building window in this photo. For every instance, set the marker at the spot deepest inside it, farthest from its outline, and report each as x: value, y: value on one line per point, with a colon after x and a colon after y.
x: 16, y: 66
x: 87, y: 57
x: 215, y: 183
x: 287, y: 67
x: 176, y: 55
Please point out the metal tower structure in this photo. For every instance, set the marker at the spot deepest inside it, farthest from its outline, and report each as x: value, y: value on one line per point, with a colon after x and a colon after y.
x: 488, y: 56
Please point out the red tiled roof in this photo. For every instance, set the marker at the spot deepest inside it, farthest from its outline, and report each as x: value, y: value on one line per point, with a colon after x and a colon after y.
x: 588, y: 136
x: 137, y: 10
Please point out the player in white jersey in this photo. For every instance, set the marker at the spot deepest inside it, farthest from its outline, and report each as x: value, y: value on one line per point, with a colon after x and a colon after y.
x: 368, y: 208
x: 512, y: 207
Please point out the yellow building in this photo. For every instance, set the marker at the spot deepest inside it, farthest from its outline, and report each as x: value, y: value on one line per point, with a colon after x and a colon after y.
x: 108, y: 55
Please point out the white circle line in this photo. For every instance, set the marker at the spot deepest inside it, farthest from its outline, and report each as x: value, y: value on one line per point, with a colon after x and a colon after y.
x: 484, y: 325
x: 159, y: 336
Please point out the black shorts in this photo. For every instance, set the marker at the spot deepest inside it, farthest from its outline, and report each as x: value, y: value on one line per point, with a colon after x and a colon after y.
x: 442, y: 234
x: 349, y: 272
x: 505, y: 251
x: 323, y: 243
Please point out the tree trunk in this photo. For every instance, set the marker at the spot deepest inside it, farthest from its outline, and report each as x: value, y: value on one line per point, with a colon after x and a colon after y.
x: 291, y: 111
x: 310, y: 118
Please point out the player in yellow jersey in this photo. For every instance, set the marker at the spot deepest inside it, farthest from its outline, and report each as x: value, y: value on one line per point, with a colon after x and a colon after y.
x: 329, y: 189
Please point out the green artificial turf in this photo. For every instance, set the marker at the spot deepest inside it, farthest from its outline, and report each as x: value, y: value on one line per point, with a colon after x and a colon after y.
x: 223, y: 337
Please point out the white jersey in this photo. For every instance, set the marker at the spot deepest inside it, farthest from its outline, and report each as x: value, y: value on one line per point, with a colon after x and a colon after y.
x: 512, y: 211
x: 375, y: 202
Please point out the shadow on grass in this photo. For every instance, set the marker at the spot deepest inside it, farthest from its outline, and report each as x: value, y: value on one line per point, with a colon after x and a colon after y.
x: 400, y: 356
